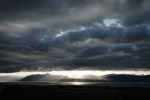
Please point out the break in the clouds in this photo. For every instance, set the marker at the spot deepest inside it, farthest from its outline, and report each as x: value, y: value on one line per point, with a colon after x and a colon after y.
x: 74, y: 34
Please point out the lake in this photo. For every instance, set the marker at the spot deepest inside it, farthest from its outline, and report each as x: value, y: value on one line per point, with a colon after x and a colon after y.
x: 111, y: 84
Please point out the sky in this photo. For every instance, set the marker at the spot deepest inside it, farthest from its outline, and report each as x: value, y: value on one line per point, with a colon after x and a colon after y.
x: 104, y: 35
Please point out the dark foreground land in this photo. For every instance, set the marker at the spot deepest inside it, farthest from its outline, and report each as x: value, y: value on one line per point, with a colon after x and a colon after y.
x: 41, y: 92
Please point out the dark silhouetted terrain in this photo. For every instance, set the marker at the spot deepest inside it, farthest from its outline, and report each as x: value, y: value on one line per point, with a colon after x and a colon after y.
x: 45, y: 92
x: 106, y: 78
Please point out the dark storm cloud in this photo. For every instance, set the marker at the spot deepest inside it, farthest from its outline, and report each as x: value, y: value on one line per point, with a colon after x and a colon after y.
x: 107, y: 62
x: 125, y: 35
x: 129, y: 10
x: 36, y: 9
x: 93, y: 51
x: 22, y: 4
x: 72, y: 34
x: 74, y: 11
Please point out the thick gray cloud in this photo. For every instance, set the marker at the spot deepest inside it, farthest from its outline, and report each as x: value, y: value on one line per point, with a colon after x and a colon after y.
x: 97, y: 34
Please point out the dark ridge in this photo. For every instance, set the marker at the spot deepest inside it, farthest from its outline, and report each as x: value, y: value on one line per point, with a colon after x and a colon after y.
x: 33, y: 77
x: 128, y: 78
x: 107, y: 78
x: 29, y: 92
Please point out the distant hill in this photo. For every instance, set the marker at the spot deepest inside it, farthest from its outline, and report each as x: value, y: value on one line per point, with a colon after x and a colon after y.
x: 43, y: 77
x: 127, y: 78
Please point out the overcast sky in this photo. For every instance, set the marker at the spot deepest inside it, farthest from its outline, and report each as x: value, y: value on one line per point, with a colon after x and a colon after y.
x: 74, y: 34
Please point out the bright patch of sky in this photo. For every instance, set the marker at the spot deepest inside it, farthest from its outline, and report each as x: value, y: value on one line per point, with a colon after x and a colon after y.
x: 106, y: 22
x: 77, y: 73
x: 81, y: 28
x: 112, y: 23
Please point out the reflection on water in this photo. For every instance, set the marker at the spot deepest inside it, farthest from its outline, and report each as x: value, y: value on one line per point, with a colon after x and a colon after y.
x: 79, y: 83
x: 111, y: 84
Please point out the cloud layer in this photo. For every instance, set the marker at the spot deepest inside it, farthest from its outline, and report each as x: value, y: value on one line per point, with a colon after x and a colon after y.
x: 67, y: 34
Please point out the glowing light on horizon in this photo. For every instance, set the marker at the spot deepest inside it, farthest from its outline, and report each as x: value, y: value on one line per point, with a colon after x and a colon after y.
x: 79, y: 83
x: 76, y: 73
